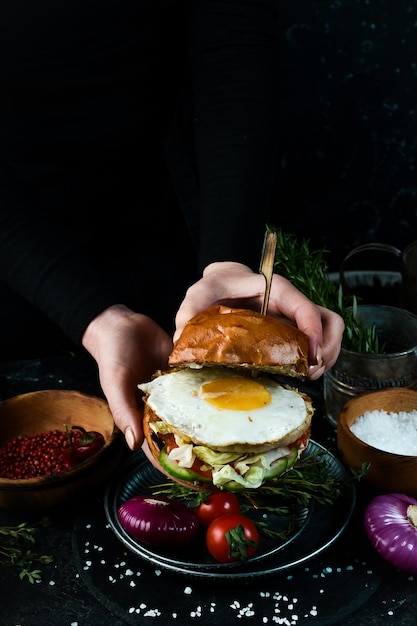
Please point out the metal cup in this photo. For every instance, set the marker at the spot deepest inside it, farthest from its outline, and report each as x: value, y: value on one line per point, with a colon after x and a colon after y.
x: 355, y: 373
x: 409, y: 274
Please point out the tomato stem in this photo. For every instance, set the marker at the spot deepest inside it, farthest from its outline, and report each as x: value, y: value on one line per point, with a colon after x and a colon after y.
x: 238, y: 544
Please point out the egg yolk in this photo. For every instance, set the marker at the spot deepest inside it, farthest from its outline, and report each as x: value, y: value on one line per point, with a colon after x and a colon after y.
x: 236, y: 394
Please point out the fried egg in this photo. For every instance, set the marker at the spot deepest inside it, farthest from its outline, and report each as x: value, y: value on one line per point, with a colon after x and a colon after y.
x: 218, y: 407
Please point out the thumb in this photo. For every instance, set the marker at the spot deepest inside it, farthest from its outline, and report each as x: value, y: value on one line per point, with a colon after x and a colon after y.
x: 127, y: 410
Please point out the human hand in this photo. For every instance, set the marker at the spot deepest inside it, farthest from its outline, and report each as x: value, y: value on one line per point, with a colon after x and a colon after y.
x: 236, y: 285
x: 128, y: 348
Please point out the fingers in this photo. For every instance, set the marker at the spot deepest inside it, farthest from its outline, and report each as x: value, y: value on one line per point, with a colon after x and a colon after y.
x: 128, y: 348
x: 323, y: 327
x: 121, y: 394
x: 333, y: 328
x: 129, y: 420
x: 236, y: 285
x: 187, y: 310
x: 228, y: 283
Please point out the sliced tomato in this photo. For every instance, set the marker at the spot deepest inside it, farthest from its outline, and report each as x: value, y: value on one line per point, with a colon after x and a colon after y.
x: 301, y: 442
x: 198, y: 467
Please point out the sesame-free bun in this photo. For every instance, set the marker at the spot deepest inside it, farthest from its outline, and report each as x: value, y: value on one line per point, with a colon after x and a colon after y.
x: 231, y: 337
x: 218, y: 418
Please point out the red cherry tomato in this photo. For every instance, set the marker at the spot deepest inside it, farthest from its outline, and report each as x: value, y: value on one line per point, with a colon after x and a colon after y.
x: 217, y: 504
x: 232, y: 538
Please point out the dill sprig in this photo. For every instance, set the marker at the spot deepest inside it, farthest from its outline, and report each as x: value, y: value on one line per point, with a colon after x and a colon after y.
x: 308, y: 271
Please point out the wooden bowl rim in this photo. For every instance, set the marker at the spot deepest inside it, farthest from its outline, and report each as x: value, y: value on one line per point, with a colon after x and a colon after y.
x: 45, y: 392
x: 67, y: 475
x: 344, y: 430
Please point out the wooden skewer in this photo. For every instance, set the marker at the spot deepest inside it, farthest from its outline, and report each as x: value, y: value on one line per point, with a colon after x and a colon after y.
x: 267, y: 269
x: 267, y: 266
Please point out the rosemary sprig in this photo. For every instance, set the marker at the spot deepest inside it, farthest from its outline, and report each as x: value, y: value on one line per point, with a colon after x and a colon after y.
x: 309, y: 479
x: 282, y: 535
x: 263, y: 527
x: 308, y: 271
x: 190, y: 497
x: 14, y: 552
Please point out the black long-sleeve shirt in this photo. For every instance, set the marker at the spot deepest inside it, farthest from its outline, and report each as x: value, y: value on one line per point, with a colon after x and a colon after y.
x: 89, y: 93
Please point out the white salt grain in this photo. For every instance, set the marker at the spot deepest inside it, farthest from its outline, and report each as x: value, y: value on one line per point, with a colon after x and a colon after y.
x: 391, y: 432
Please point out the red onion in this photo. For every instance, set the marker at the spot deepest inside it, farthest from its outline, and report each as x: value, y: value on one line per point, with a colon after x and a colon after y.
x: 391, y: 527
x: 158, y: 520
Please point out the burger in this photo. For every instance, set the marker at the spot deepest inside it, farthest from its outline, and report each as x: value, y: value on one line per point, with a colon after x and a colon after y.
x: 221, y: 416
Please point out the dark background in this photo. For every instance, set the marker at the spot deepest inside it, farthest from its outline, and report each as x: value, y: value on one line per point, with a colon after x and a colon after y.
x: 346, y: 175
x: 347, y: 167
x: 346, y: 171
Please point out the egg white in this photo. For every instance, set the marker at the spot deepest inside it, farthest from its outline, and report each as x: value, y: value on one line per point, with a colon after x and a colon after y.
x: 176, y: 399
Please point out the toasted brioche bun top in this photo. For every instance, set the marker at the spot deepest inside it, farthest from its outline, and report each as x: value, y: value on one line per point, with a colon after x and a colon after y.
x: 222, y: 335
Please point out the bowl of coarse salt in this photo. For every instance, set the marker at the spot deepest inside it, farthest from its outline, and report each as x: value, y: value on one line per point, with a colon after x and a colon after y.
x: 380, y: 428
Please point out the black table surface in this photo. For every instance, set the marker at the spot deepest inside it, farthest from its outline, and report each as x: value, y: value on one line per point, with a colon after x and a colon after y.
x: 94, y: 580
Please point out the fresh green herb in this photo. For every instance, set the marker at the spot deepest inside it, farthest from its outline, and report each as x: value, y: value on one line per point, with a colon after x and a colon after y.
x: 190, y: 497
x: 14, y: 550
x: 308, y: 271
x: 360, y: 473
x: 309, y: 480
x: 263, y: 527
x: 282, y: 535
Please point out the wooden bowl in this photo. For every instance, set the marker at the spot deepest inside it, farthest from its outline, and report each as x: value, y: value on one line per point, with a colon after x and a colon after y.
x: 43, y: 411
x: 389, y: 472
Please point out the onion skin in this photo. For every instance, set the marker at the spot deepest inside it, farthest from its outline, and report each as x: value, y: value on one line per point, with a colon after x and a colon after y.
x: 390, y: 524
x: 158, y: 521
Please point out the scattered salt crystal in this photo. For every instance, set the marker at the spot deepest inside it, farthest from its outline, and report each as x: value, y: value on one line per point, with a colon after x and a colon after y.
x: 152, y: 613
x: 391, y: 432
